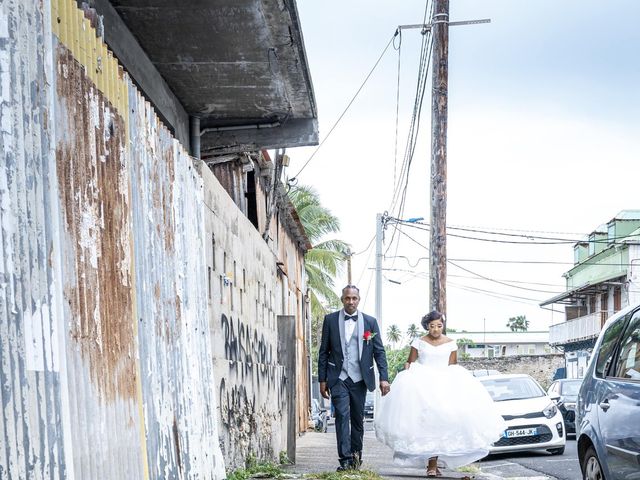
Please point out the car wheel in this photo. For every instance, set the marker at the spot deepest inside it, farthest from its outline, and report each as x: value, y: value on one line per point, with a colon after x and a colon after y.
x: 556, y: 451
x: 591, y: 468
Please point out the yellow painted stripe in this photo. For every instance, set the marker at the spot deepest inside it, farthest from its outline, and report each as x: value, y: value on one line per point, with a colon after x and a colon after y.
x: 63, y: 21
x: 55, y: 24
x: 75, y: 32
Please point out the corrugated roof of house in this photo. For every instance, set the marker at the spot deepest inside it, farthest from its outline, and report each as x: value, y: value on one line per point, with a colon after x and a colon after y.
x: 628, y: 215
x: 502, y: 337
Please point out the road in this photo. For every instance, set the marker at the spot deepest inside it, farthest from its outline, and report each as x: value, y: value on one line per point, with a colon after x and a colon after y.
x: 532, y: 464
x: 563, y: 467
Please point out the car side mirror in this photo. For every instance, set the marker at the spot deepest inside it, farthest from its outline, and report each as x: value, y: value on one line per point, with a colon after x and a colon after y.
x: 555, y: 398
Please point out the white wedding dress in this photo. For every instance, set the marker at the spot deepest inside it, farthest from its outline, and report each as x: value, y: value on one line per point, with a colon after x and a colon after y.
x: 437, y: 409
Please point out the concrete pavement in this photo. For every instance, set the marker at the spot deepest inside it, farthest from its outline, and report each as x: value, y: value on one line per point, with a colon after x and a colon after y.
x: 316, y: 453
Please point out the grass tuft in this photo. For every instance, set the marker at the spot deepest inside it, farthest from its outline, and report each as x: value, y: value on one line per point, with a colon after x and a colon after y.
x: 256, y: 470
x: 347, y: 475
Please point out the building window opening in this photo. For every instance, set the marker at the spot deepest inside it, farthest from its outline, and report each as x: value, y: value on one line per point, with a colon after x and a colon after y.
x: 250, y: 195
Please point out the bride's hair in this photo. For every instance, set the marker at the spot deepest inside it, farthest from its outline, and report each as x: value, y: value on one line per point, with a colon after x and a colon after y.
x: 430, y: 317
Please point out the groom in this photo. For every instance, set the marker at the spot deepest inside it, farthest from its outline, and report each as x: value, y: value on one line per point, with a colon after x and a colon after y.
x: 350, y: 342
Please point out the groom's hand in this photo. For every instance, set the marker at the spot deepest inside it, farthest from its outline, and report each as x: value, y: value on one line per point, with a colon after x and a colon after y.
x: 384, y: 387
x: 324, y: 391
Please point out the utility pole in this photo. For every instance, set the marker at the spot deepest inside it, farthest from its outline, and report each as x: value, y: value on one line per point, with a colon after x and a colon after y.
x: 349, y: 254
x: 379, y: 269
x: 439, y: 28
x: 439, y: 106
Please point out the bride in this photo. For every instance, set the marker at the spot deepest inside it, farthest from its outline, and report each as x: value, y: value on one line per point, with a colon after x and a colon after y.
x: 436, y: 408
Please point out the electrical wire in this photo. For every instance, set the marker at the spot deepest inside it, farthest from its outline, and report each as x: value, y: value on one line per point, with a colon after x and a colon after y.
x: 500, y: 282
x: 367, y: 248
x: 469, y: 277
x: 552, y: 240
x: 395, y: 143
x: 398, y: 198
x: 494, y: 294
x: 519, y: 262
x: 348, y: 106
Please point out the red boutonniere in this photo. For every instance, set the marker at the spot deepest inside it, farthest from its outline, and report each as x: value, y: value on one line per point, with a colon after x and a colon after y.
x: 368, y: 335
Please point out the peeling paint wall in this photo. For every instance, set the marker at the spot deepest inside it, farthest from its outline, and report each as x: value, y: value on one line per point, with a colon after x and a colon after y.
x: 34, y: 419
x: 105, y: 348
x: 247, y: 295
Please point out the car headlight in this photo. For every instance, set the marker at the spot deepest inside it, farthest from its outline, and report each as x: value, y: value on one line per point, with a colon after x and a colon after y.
x: 550, y: 410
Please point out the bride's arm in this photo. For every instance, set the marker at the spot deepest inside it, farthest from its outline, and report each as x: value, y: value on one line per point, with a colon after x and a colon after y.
x: 413, y: 355
x: 453, y: 358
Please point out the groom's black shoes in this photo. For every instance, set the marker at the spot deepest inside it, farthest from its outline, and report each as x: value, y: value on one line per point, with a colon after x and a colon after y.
x: 353, y: 463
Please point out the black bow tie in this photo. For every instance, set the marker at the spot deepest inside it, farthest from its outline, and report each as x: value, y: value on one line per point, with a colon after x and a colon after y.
x: 350, y: 317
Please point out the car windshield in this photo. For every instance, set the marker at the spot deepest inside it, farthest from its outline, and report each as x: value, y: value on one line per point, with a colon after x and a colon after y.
x: 570, y: 389
x: 517, y: 388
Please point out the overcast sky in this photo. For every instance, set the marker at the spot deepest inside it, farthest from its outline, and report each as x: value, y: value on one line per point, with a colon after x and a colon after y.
x: 544, y: 124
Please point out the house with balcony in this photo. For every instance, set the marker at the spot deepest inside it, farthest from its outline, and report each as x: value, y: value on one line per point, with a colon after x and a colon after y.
x: 604, y: 279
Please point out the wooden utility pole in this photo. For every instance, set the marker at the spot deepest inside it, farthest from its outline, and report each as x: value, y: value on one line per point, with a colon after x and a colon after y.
x: 439, y: 103
x: 439, y: 28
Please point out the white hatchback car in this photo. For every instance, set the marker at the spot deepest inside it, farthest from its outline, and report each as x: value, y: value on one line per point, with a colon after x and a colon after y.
x: 533, y: 419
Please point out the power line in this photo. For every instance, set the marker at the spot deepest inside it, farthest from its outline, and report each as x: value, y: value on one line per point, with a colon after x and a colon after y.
x: 494, y: 294
x: 348, y: 106
x: 367, y: 248
x: 520, y: 262
x: 484, y: 278
x: 401, y: 185
x: 395, y: 143
x: 498, y: 281
x: 552, y: 240
x: 404, y: 270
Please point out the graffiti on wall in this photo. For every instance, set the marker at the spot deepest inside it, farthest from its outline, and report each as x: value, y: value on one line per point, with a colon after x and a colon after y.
x: 252, y: 392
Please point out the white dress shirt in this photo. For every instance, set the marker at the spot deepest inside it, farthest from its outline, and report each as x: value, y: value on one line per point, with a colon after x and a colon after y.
x: 349, y: 325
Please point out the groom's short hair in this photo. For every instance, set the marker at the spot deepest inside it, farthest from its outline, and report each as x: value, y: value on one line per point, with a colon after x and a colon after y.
x: 347, y: 287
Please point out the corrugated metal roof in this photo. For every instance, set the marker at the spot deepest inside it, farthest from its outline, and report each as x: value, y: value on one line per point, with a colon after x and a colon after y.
x: 627, y: 215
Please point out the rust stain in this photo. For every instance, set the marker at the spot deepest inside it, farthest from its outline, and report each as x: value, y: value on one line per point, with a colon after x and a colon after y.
x: 178, y: 310
x: 93, y: 182
x: 167, y: 199
x: 176, y: 441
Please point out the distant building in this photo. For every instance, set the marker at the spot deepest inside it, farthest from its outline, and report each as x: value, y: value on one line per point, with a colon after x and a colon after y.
x: 604, y: 279
x: 502, y: 344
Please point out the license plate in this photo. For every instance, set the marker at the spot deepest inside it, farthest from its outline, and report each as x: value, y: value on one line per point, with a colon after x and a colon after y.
x: 520, y: 432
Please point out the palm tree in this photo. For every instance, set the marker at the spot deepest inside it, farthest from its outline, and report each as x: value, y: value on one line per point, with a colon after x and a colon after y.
x: 393, y: 334
x: 326, y: 258
x: 413, y: 332
x: 518, y: 324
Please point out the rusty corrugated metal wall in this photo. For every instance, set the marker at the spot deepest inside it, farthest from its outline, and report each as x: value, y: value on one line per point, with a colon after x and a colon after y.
x: 105, y: 351
x: 34, y: 419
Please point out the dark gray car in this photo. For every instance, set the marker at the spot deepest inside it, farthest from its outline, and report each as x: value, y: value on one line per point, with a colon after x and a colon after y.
x: 565, y: 393
x: 608, y: 409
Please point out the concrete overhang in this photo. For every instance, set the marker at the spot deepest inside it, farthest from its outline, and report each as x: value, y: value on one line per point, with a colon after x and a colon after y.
x: 589, y: 288
x: 238, y: 65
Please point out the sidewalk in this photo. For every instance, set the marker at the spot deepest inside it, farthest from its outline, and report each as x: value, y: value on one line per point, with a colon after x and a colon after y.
x: 316, y: 453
